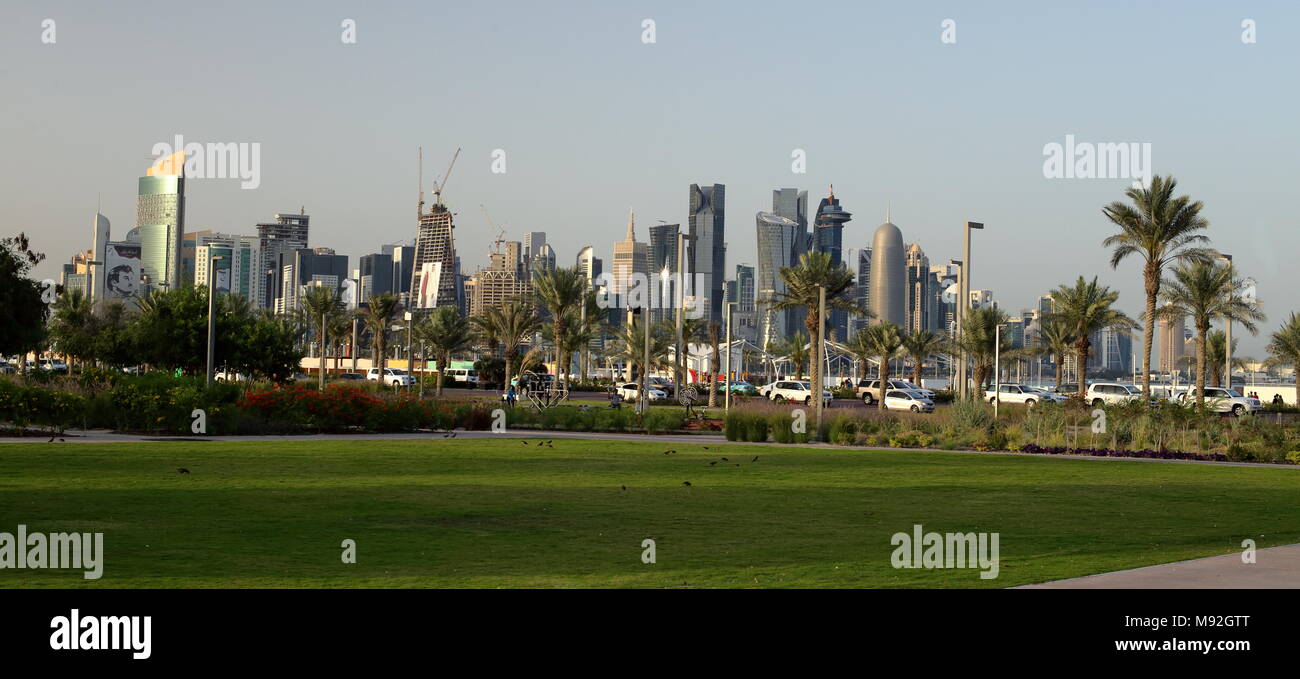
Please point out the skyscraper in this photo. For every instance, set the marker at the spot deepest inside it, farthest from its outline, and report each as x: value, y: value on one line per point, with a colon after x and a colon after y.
x: 533, y: 240
x: 433, y: 276
x: 707, y: 250
x: 287, y: 233
x: 791, y: 204
x: 1170, y: 345
x: 589, y: 265
x: 744, y: 288
x: 375, y: 275
x: 160, y: 218
x: 888, y: 275
x: 920, y: 290
x: 631, y: 260
x: 303, y: 267
x: 780, y: 242
x: 100, y: 233
x: 663, y: 267
x: 828, y: 237
x: 862, y: 291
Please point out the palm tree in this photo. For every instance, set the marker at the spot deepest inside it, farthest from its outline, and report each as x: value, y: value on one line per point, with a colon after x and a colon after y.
x: 1215, y: 357
x: 860, y: 346
x: 376, y: 317
x: 980, y: 339
x: 71, y: 326
x: 919, y: 346
x: 447, y: 332
x: 516, y: 322
x: 1056, y: 339
x: 1204, y: 291
x: 321, y: 308
x: 803, y: 283
x: 1162, y: 229
x: 560, y: 292
x: 1284, y: 348
x: 694, y: 331
x: 1085, y: 308
x: 886, y: 342
x: 796, y: 348
x: 630, y: 345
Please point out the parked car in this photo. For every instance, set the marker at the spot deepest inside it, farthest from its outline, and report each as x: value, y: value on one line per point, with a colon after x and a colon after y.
x: 630, y: 390
x: 1104, y: 393
x: 664, y: 385
x: 868, y: 390
x: 908, y: 399
x: 55, y: 365
x: 788, y: 390
x: 1223, y: 400
x: 5, y: 368
x: 228, y: 376
x: 349, y: 376
x: 392, y: 377
x: 1016, y: 393
x: 1068, y: 389
x: 739, y: 387
x: 464, y: 375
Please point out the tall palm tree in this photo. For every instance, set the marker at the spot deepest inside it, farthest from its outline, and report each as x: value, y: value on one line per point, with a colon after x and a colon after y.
x: 980, y: 339
x: 561, y: 292
x: 816, y: 270
x: 1284, y: 348
x: 1057, y: 339
x: 321, y: 307
x: 447, y: 332
x: 886, y: 342
x: 1161, y: 229
x: 1215, y: 356
x: 1085, y: 308
x: 1204, y: 291
x: 919, y: 346
x: 629, y: 345
x: 694, y: 331
x: 376, y: 317
x: 518, y: 322
x: 71, y: 326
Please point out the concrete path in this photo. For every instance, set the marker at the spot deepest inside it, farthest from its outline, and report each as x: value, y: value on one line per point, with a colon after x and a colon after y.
x: 1274, y: 568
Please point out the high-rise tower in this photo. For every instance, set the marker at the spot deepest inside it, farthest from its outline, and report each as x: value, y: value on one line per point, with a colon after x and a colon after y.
x: 433, y: 278
x: 707, y: 251
x: 828, y: 237
x: 888, y: 275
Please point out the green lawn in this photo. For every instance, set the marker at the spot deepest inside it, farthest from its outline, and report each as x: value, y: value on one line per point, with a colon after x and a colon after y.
x: 497, y: 513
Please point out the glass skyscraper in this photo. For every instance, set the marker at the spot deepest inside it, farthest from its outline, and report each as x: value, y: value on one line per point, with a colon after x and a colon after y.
x: 160, y: 218
x: 707, y: 251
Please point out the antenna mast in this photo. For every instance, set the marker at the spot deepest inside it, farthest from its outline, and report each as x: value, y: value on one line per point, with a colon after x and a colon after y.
x: 419, y: 208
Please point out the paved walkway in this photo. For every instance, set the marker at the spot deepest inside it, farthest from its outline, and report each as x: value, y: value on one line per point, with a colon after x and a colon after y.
x: 1274, y: 568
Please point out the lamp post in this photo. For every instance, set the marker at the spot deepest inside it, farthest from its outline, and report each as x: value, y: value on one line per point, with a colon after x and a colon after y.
x: 817, y: 357
x: 963, y: 304
x: 726, y: 400
x: 410, y: 358
x: 997, y: 367
x: 212, y: 326
x: 1227, y: 330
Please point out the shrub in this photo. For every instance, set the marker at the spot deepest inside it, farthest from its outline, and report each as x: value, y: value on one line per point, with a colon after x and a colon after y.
x: 756, y: 429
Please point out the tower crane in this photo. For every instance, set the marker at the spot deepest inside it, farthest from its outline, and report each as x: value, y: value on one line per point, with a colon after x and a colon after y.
x: 501, y: 232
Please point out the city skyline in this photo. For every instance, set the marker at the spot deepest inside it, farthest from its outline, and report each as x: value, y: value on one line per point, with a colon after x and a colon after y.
x: 901, y: 146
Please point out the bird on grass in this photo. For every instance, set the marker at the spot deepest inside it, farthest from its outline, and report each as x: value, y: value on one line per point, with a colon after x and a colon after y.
x: 725, y: 460
x: 755, y: 459
x: 686, y: 483
x: 524, y: 442
x: 713, y: 462
x: 182, y: 470
x: 623, y: 487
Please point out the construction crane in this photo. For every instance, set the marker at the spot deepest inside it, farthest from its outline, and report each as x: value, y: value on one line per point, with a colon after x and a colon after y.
x: 501, y: 232
x: 437, y: 189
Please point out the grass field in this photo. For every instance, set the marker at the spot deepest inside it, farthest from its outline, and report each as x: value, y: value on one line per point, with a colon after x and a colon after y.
x: 498, y: 513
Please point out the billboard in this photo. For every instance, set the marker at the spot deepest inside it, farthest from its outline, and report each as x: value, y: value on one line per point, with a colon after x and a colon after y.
x: 122, y: 270
x: 427, y: 295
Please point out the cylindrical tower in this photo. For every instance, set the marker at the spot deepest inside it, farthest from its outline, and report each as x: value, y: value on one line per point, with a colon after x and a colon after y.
x: 888, y: 275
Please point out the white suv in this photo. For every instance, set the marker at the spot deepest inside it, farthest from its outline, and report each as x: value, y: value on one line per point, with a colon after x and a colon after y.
x: 629, y: 392
x: 1223, y: 400
x: 908, y: 399
x: 1016, y: 393
x: 870, y: 389
x: 392, y: 377
x: 798, y: 392
x: 1106, y: 393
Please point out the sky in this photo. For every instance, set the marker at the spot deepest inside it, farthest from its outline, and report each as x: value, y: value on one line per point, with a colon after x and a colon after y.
x: 594, y: 121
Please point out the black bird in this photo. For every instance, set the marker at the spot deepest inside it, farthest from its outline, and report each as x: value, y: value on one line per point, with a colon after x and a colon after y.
x: 548, y: 443
x: 725, y: 460
x: 51, y: 440
x: 755, y: 459
x: 623, y: 487
x: 706, y: 447
x: 183, y: 470
x: 686, y: 483
x: 667, y: 451
x: 524, y: 442
x: 713, y: 463
x: 453, y: 434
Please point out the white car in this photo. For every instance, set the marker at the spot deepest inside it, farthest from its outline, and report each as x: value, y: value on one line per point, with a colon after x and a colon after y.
x: 468, y: 376
x: 227, y: 376
x: 908, y: 399
x: 629, y: 391
x: 392, y: 377
x: 1223, y: 400
x: 1016, y: 393
x: 53, y: 364
x: 870, y: 389
x: 1108, y: 393
x: 797, y: 392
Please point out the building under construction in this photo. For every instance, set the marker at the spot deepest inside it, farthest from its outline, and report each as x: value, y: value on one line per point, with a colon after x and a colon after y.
x: 433, y: 278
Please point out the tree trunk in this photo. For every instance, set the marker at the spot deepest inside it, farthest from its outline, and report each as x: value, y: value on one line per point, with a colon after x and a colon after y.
x: 713, y: 360
x: 814, y: 366
x: 1059, y: 367
x: 509, y: 358
x: 1152, y: 280
x: 1201, y: 332
x: 1082, y: 356
x: 443, y: 363
x: 916, y: 372
x: 884, y: 379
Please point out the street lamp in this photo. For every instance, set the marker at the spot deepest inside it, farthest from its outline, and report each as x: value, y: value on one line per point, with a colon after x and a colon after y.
x: 212, y: 326
x: 997, y: 367
x: 410, y: 359
x: 726, y: 401
x: 963, y: 304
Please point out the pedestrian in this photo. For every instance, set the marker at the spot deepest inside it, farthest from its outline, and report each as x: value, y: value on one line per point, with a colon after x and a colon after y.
x: 1277, y: 400
x: 510, y: 396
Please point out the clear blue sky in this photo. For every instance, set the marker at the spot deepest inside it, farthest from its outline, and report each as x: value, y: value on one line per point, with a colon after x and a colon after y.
x: 595, y: 122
